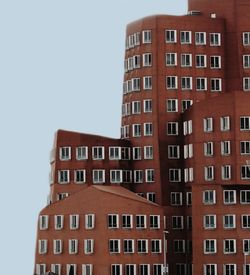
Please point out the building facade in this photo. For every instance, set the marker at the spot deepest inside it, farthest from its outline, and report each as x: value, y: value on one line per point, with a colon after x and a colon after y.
x: 184, y: 145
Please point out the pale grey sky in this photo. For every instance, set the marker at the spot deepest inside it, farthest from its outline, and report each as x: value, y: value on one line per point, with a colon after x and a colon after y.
x: 61, y: 66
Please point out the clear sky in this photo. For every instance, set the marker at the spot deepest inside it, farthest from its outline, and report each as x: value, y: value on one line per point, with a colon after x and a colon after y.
x: 61, y: 67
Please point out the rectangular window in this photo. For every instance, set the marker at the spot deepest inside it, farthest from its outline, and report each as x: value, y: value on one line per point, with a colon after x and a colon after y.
x: 208, y: 149
x: 130, y: 269
x: 179, y: 246
x: 42, y: 246
x: 172, y: 105
x: 148, y: 152
x: 80, y: 176
x: 209, y: 221
x: 246, y: 84
x: 177, y: 222
x: 200, y: 38
x: 116, y: 176
x: 210, y: 246
x: 40, y: 269
x: 136, y: 153
x: 225, y: 123
x: 113, y: 221
x: 147, y: 60
x: 74, y: 222
x: 57, y: 246
x: 63, y: 176
x: 88, y: 246
x: 246, y: 246
x: 226, y: 172
x: 136, y: 61
x: 208, y: 124
x: 245, y: 147
x: 136, y: 128
x: 246, y: 61
x: 146, y: 36
x: 87, y: 269
x: 171, y: 36
x: 171, y: 82
x: 151, y: 196
x: 73, y: 246
x: 185, y: 104
x: 43, y: 222
x: 209, y: 197
x: 144, y: 269
x: 186, y: 83
x: 149, y: 175
x: 186, y: 37
x: 89, y: 221
x: 246, y: 38
x: 140, y: 221
x: 98, y: 176
x: 171, y: 59
x: 136, y: 84
x: 154, y: 221
x: 245, y: 196
x: 174, y: 175
x: 56, y: 268
x: 142, y: 246
x: 65, y: 153
x: 189, y: 198
x: 210, y: 269
x: 125, y: 153
x: 245, y: 172
x: 116, y: 269
x: 244, y: 123
x: 147, y: 82
x: 229, y: 269
x: 201, y: 83
x: 157, y: 269
x: 225, y: 147
x: 156, y: 246
x: 98, y: 153
x: 114, y: 246
x: 129, y: 246
x: 58, y: 220
x: 229, y: 196
x: 201, y: 61
x: 138, y: 176
x: 82, y: 153
x: 173, y: 151
x: 115, y: 153
x: 245, y: 221
x: 186, y: 60
x: 229, y: 221
x: 215, y: 62
x: 71, y: 269
x: 148, y: 129
x: 209, y: 173
x: 215, y: 39
x: 229, y: 246
x: 147, y: 105
x: 127, y: 221
x: 216, y: 85
x: 172, y: 128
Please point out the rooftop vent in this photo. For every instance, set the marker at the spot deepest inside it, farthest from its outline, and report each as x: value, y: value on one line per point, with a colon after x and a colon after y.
x: 194, y: 13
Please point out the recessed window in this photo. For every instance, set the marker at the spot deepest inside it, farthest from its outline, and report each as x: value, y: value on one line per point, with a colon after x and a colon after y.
x: 116, y: 176
x: 142, y: 246
x: 113, y: 221
x: 116, y: 269
x: 246, y: 61
x: 171, y: 36
x: 88, y: 246
x: 87, y: 269
x: 171, y: 82
x: 157, y: 269
x: 174, y: 175
x: 246, y: 84
x: 73, y: 246
x: 208, y: 149
x: 209, y: 221
x: 229, y: 196
x: 226, y: 172
x: 201, y: 83
x: 215, y: 39
x: 136, y: 130
x: 98, y: 176
x: 186, y: 83
x: 151, y: 196
x: 129, y: 246
x: 208, y: 124
x: 114, y: 246
x: 141, y: 221
x: 246, y: 38
x: 244, y: 123
x: 156, y: 246
x: 149, y: 175
x: 71, y: 269
x: 43, y: 222
x: 179, y: 246
x: 147, y: 105
x: 215, y: 62
x: 57, y: 246
x: 209, y: 197
x: 144, y: 269
x: 229, y: 221
x: 40, y: 268
x: 125, y: 153
x: 171, y: 59
x: 147, y: 60
x: 245, y: 172
x: 185, y: 104
x: 136, y: 61
x: 74, y: 222
x: 209, y: 173
x: 147, y: 82
x: 63, y: 176
x: 136, y: 84
x: 201, y: 61
x: 127, y: 221
x: 200, y: 38
x: 136, y: 153
x: 210, y: 246
x: 138, y: 176
x: 245, y: 147
x: 245, y: 196
x: 148, y: 129
x: 154, y: 221
x: 80, y: 176
x: 115, y: 153
x: 246, y: 245
x: 146, y: 36
x: 56, y: 268
x: 216, y: 85
x: 210, y: 269
x: 148, y: 152
x: 42, y: 246
x: 98, y: 153
x: 229, y: 246
x: 65, y: 153
x: 225, y: 123
x: 136, y: 107
x: 125, y: 131
x: 172, y: 128
x: 172, y: 105
x: 89, y: 221
x: 177, y: 222
x: 186, y: 60
x: 58, y: 220
x: 82, y: 153
x: 225, y: 147
x: 186, y: 37
x: 173, y: 151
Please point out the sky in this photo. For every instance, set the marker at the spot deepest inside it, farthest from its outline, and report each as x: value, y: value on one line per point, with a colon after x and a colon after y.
x: 61, y: 67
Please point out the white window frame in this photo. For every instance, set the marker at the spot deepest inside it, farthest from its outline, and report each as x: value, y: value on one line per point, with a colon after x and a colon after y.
x: 59, y: 222
x: 171, y: 36
x: 215, y: 39
x: 147, y: 36
x: 186, y: 37
x: 172, y: 105
x: 74, y: 221
x: 89, y: 221
x: 98, y: 176
x: 201, y: 84
x: 171, y: 82
x: 171, y: 59
x: 98, y: 152
x: 229, y: 197
x: 80, y: 176
x: 65, y: 153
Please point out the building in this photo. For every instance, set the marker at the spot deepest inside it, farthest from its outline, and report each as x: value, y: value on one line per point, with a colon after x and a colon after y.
x: 184, y: 145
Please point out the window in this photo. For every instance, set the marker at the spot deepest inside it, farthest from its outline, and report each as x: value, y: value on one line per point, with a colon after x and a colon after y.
x: 209, y: 221
x: 229, y: 196
x: 146, y: 36
x: 147, y: 105
x: 125, y: 153
x: 43, y: 222
x: 210, y: 269
x: 73, y: 246
x: 201, y: 83
x: 136, y: 61
x: 147, y: 82
x: 245, y: 147
x: 126, y: 176
x: 186, y: 60
x: 210, y: 246
x: 151, y: 196
x: 56, y: 268
x: 245, y: 172
x: 215, y: 39
x: 185, y: 104
x: 125, y: 131
x: 229, y: 221
x: 80, y: 176
x: 200, y: 38
x: 154, y: 221
x: 89, y: 221
x: 171, y: 59
x: 148, y: 129
x: 113, y: 221
x: 128, y: 246
x: 115, y: 153
x: 87, y: 269
x: 208, y: 149
x: 157, y: 269
x: 116, y: 176
x: 138, y: 176
x: 63, y: 176
x: 136, y: 107
x: 171, y: 36
x: 246, y: 245
x: 144, y: 269
x: 57, y: 246
x: 245, y: 221
x: 82, y: 153
x: 246, y: 83
x: 140, y: 221
x: 65, y: 153
x: 42, y: 246
x: 189, y: 198
x: 201, y: 61
x: 215, y: 62
x: 226, y: 172
x: 225, y: 147
x: 136, y: 130
x: 136, y: 153
x: 229, y: 246
x: 114, y: 246
x: 173, y: 151
x: 136, y: 84
x: 142, y: 246
x: 40, y: 269
x: 58, y: 219
x: 74, y: 222
x: 61, y: 196
x: 148, y: 152
x: 116, y: 269
x: 209, y: 197
x: 171, y: 82
x: 98, y: 153
x: 216, y: 85
x: 208, y: 124
x: 187, y: 125
x: 246, y: 38
x: 174, y: 175
x: 71, y: 269
x: 229, y: 269
x: 244, y: 123
x: 177, y: 222
x: 172, y: 105
x: 209, y: 173
x: 130, y: 269
x: 179, y: 246
x: 127, y: 221
x: 188, y: 151
x: 186, y: 37
x: 156, y: 246
x: 147, y: 60
x: 186, y: 83
x: 88, y: 246
x: 149, y: 175
x: 245, y: 196
x: 98, y: 176
x: 172, y: 128
x: 246, y: 61
x: 225, y: 123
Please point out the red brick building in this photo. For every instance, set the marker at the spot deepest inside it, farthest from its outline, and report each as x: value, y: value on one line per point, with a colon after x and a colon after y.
x: 185, y: 146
